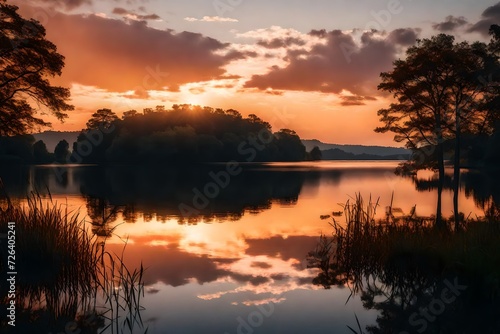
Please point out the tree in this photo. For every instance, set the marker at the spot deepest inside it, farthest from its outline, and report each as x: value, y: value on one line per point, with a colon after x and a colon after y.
x: 129, y: 113
x: 17, y: 149
x: 315, y: 154
x: 290, y: 146
x: 40, y: 153
x: 103, y: 118
x: 468, y: 93
x: 437, y: 92
x: 61, y: 152
x: 27, y: 58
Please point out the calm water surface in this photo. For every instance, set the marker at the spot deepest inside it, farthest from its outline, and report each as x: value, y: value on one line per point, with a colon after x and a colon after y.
x: 237, y: 262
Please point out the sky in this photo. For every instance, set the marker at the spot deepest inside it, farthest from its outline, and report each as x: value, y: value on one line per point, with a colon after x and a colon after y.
x: 308, y: 65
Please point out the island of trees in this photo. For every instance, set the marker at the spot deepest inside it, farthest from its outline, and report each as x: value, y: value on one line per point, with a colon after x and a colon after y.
x: 183, y: 134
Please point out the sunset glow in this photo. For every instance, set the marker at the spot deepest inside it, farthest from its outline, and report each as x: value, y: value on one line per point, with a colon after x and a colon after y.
x: 325, y: 61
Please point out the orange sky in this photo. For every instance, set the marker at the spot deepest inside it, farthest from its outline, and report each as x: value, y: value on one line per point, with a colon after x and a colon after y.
x: 316, y: 74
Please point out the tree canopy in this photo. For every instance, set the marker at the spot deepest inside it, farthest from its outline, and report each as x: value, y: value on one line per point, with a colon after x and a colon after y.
x: 27, y: 58
x: 183, y: 134
x: 440, y: 93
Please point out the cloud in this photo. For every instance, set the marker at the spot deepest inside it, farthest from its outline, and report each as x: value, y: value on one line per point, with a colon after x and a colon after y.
x: 281, y: 42
x: 139, y: 93
x: 293, y: 247
x: 490, y: 16
x: 404, y: 36
x: 134, y: 16
x: 451, y: 23
x: 355, y: 100
x: 64, y: 4
x: 210, y: 19
x: 338, y: 63
x: 261, y: 265
x: 129, y: 56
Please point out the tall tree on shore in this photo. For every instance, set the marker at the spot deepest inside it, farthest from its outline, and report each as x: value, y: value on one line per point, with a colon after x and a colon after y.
x: 27, y: 58
x: 61, y: 152
x: 102, y: 118
x: 438, y: 92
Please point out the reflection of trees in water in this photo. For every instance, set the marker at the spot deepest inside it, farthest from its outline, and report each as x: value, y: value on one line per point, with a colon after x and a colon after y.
x: 158, y: 192
x: 484, y: 187
x: 407, y: 291
x: 102, y: 215
x: 419, y: 279
x: 65, y: 278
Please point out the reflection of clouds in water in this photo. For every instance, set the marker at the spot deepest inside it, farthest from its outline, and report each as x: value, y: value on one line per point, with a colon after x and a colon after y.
x: 152, y: 290
x: 273, y: 278
x: 264, y: 270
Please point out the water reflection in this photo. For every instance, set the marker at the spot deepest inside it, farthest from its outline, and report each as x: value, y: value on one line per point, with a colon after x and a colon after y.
x: 161, y: 191
x: 418, y: 278
x: 267, y: 221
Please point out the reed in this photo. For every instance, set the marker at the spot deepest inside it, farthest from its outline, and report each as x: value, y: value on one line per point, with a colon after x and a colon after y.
x: 64, y: 272
x: 399, y: 266
x: 362, y: 246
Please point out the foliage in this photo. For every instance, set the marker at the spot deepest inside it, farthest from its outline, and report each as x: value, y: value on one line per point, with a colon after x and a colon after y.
x: 26, y: 59
x: 315, y: 154
x: 40, y: 153
x: 440, y: 94
x: 16, y: 149
x: 184, y: 134
x: 103, y: 119
x: 61, y: 152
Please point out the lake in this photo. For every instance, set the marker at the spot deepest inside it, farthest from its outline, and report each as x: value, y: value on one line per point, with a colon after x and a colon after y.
x: 231, y: 257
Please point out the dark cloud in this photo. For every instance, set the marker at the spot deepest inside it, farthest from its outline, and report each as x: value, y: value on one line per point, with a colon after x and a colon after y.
x: 275, y: 92
x: 235, y: 54
x: 124, y: 12
x: 174, y: 266
x: 169, y: 264
x: 254, y: 280
x: 338, y: 64
x: 319, y: 33
x: 137, y: 94
x: 64, y: 4
x: 355, y: 100
x: 280, y: 277
x: 276, y: 43
x: 451, y: 23
x: 261, y: 265
x: 489, y: 17
x: 294, y: 247
x: 404, y: 36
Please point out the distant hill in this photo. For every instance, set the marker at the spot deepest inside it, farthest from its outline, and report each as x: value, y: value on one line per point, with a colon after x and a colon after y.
x: 337, y: 154
x: 377, y: 151
x: 51, y: 138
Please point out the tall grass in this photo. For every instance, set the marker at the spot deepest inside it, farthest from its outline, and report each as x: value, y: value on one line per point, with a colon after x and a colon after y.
x: 64, y: 272
x: 399, y: 266
x: 363, y: 246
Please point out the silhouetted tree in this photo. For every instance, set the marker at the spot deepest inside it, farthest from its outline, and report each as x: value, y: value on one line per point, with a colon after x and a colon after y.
x: 189, y: 133
x: 103, y: 118
x: 290, y: 146
x: 26, y: 59
x: 40, y: 153
x: 17, y: 149
x: 315, y: 154
x: 61, y: 152
x: 438, y: 93
x: 129, y: 113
